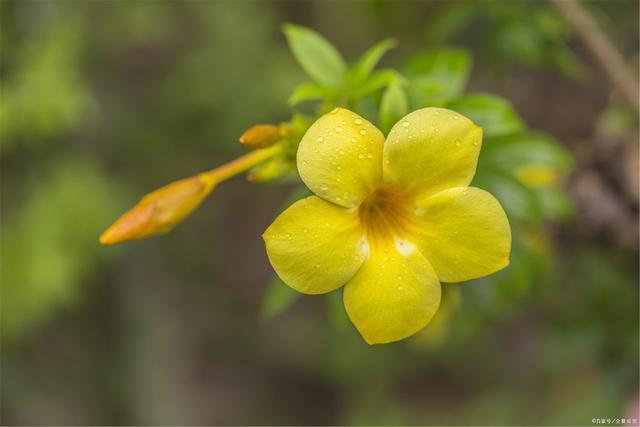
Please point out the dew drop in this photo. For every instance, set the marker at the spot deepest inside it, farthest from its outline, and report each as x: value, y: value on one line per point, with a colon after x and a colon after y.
x: 405, y: 124
x: 334, y: 111
x: 358, y: 121
x: 320, y: 139
x: 338, y: 129
x: 363, y: 132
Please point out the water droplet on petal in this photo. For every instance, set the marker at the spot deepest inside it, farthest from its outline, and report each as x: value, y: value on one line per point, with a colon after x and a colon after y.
x: 405, y: 124
x: 320, y: 139
x: 338, y: 129
x: 363, y: 132
x: 358, y: 121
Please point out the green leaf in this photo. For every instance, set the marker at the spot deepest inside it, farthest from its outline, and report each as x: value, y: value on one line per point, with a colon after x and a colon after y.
x: 493, y: 114
x: 308, y: 92
x: 452, y: 66
x: 393, y: 106
x: 368, y: 61
x: 425, y: 91
x: 518, y: 201
x: 277, y: 298
x: 527, y: 149
x: 438, y: 75
x: 319, y: 58
x: 376, y: 81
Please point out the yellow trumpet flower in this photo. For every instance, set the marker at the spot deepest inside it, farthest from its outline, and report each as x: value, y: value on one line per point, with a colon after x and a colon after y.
x: 390, y: 219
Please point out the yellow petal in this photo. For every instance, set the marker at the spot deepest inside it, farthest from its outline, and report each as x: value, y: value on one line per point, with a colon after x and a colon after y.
x: 464, y: 233
x: 340, y: 157
x: 315, y: 246
x: 430, y: 150
x: 394, y: 295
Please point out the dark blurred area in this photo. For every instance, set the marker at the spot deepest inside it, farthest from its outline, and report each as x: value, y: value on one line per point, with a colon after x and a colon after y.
x: 102, y: 102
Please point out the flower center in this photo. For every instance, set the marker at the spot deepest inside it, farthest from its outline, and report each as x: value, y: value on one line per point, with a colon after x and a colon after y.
x: 386, y: 213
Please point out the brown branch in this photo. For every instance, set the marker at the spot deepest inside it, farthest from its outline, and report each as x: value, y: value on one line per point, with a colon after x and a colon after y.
x: 602, y: 49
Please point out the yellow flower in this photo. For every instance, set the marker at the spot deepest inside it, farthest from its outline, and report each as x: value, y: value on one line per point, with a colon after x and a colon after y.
x: 390, y: 219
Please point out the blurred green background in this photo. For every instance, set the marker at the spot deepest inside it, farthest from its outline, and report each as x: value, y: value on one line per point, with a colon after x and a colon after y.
x: 102, y: 102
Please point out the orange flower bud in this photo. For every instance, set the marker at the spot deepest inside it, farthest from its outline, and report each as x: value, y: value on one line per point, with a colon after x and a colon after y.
x: 159, y: 211
x: 261, y: 136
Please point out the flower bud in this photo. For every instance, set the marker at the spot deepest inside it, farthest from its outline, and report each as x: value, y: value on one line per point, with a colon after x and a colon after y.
x: 261, y: 136
x: 159, y: 211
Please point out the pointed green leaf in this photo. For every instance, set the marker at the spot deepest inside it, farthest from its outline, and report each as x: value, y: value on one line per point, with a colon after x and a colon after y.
x: 307, y: 92
x: 393, y: 106
x: 368, y: 61
x: 319, y: 58
x: 437, y: 75
x: 493, y: 114
x: 376, y: 81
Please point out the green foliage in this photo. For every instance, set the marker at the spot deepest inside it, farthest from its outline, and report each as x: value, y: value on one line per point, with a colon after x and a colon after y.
x: 42, y: 93
x: 334, y: 82
x: 277, y: 298
x: 49, y: 248
x: 393, y: 106
x: 501, y: 37
x: 361, y: 71
x: 319, y: 58
x: 493, y: 114
x: 437, y: 76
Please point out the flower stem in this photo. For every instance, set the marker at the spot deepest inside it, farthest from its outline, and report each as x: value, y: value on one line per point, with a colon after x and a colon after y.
x: 239, y: 165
